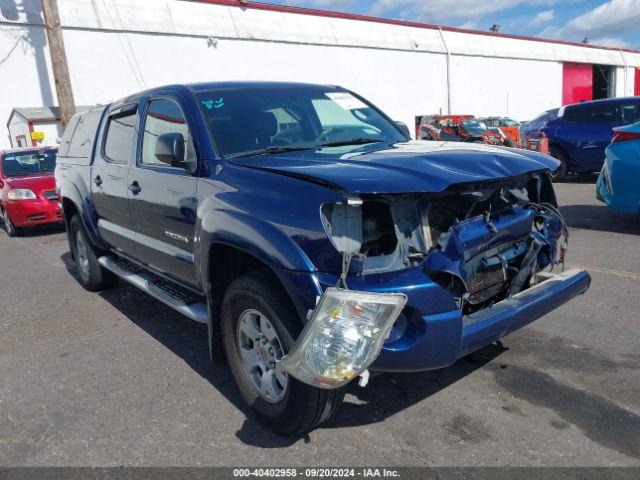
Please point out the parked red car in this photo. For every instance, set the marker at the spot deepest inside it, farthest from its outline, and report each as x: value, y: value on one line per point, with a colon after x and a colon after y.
x: 28, y: 194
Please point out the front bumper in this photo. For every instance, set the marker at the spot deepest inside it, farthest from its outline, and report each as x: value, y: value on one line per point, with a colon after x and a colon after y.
x: 436, y: 334
x: 26, y: 213
x: 442, y: 343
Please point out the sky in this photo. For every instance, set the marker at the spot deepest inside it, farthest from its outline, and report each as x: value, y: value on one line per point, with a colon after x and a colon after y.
x: 613, y: 23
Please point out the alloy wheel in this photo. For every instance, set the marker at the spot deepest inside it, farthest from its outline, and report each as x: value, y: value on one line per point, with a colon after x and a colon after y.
x: 260, y: 350
x: 8, y: 224
x: 82, y: 253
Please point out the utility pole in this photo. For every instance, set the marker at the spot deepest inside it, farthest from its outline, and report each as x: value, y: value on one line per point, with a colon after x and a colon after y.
x: 58, y: 60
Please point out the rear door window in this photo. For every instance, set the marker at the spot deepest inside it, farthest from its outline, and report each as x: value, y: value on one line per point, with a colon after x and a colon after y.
x: 119, y: 137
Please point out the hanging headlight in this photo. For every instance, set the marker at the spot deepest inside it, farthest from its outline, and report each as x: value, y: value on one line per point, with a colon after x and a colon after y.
x: 343, y: 337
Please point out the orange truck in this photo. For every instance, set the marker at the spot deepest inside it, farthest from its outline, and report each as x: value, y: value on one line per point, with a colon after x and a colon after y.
x: 509, y: 128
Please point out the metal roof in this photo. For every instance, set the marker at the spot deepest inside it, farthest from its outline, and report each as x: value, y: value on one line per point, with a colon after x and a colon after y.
x: 246, y: 4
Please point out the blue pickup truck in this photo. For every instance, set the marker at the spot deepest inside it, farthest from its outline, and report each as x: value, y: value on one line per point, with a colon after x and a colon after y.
x: 316, y: 241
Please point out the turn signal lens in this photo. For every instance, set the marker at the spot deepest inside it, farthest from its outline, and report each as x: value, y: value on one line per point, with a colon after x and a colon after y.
x: 21, y: 194
x: 343, y: 337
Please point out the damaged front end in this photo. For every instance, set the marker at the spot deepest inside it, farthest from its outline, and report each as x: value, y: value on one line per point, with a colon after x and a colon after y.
x: 483, y: 243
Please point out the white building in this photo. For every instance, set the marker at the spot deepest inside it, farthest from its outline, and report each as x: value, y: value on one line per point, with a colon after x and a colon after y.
x: 35, y: 124
x: 117, y: 47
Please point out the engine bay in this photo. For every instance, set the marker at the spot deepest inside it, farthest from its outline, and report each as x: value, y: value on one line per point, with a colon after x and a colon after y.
x: 482, y: 242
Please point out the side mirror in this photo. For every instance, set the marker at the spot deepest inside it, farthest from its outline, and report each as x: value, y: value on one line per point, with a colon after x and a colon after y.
x: 170, y: 149
x: 404, y: 128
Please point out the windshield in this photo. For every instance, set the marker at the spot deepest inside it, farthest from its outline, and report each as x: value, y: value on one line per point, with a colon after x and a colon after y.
x: 254, y: 119
x: 18, y: 164
x: 542, y: 119
x: 474, y: 126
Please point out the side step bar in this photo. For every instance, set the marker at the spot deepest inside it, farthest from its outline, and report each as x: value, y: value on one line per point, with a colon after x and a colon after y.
x: 160, y: 290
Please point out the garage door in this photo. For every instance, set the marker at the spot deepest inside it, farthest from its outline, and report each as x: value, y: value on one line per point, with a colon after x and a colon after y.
x: 577, y: 82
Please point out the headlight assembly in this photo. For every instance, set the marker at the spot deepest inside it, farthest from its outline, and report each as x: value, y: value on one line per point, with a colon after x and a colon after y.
x: 21, y: 194
x: 343, y: 337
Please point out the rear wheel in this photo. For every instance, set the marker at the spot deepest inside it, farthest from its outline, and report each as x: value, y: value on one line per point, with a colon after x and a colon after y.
x: 562, y: 171
x: 259, y: 326
x: 9, y: 227
x: 91, y: 274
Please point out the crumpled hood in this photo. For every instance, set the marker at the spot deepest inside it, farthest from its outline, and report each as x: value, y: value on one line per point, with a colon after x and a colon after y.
x: 416, y: 166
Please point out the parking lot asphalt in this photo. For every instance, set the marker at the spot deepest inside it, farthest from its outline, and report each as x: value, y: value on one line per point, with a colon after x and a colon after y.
x: 119, y: 379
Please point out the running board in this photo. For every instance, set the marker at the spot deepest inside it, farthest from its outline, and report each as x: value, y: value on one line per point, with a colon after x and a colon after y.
x: 160, y: 290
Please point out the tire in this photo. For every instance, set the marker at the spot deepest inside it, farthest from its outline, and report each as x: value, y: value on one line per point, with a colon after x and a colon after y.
x: 91, y: 275
x: 509, y: 142
x: 9, y: 227
x: 563, y: 170
x: 300, y: 407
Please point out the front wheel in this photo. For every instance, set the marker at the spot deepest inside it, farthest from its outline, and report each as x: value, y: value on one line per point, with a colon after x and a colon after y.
x: 259, y: 326
x: 9, y: 226
x: 92, y: 276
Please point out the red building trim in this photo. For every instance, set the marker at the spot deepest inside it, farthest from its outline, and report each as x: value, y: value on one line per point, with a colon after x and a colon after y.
x: 577, y: 82
x: 389, y: 21
x: 33, y: 142
x: 636, y: 90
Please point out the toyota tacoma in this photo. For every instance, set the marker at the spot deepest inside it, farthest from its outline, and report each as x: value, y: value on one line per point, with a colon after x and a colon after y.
x: 313, y: 237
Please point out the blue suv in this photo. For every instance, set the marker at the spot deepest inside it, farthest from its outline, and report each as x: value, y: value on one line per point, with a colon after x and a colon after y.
x: 579, y: 133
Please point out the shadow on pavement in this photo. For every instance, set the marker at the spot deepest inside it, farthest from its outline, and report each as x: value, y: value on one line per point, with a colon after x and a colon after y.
x: 600, y: 218
x: 39, y: 230
x: 385, y: 395
x: 390, y: 393
x: 577, y: 178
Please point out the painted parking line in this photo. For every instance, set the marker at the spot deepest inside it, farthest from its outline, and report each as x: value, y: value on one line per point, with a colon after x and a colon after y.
x: 608, y: 271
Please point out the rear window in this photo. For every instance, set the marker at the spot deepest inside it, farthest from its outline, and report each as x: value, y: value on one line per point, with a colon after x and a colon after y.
x: 21, y: 164
x: 84, y: 134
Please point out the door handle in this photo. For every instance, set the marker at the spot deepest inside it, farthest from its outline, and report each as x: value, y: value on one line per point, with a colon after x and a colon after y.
x: 97, y: 181
x: 135, y: 188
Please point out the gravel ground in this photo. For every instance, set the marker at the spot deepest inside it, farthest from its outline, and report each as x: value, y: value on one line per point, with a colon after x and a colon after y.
x: 119, y: 379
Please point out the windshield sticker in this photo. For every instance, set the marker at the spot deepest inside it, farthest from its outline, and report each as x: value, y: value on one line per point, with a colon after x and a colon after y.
x: 211, y: 104
x: 346, y: 100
